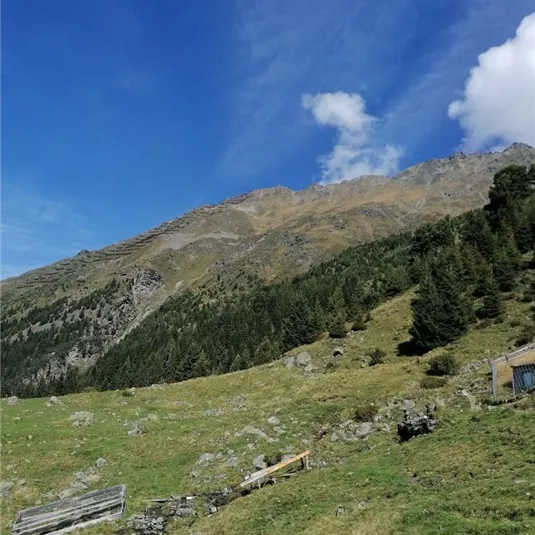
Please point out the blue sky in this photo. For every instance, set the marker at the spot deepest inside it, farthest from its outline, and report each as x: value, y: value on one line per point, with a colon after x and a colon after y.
x: 119, y: 115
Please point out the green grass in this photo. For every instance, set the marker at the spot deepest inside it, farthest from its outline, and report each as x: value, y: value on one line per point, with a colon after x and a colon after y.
x: 475, y: 474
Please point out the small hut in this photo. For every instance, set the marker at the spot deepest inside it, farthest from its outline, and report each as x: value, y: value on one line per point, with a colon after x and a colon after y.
x: 523, y: 378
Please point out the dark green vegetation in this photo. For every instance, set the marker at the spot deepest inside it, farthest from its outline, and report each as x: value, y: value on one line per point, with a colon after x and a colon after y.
x: 456, y: 262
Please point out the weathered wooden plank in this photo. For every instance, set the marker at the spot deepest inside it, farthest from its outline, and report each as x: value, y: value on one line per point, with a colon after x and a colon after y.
x: 67, y: 513
x: 72, y: 513
x: 256, y: 476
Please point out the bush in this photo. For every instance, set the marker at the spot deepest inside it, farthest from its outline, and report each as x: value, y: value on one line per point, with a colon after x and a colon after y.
x: 444, y: 364
x: 433, y: 382
x: 377, y: 356
x: 364, y: 413
x: 127, y: 393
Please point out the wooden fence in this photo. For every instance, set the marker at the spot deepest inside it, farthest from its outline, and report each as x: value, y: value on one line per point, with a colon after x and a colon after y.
x: 72, y: 513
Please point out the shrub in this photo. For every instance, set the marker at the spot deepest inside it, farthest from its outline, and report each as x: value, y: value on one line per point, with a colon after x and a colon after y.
x: 430, y: 381
x: 127, y: 393
x: 364, y: 413
x: 377, y: 356
x: 443, y: 364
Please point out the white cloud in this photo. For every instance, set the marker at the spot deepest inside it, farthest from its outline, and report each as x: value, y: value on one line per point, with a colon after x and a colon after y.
x: 351, y: 156
x: 498, y: 105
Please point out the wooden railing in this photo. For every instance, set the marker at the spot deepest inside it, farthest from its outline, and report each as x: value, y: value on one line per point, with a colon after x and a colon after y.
x: 256, y: 477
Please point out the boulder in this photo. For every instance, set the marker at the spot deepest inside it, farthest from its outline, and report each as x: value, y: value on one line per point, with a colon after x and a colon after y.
x: 55, y: 401
x: 338, y: 352
x: 259, y: 462
x: 418, y: 424
x: 101, y: 462
x: 273, y: 420
x: 303, y: 359
x: 82, y: 418
x: 238, y: 403
x: 289, y: 361
x: 12, y: 400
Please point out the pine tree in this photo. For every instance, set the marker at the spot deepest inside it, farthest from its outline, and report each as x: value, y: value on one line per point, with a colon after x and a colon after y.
x: 507, y: 262
x: 441, y: 313
x: 492, y: 302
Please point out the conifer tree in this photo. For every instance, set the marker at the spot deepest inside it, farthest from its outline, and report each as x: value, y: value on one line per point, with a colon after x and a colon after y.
x: 492, y: 302
x: 441, y: 313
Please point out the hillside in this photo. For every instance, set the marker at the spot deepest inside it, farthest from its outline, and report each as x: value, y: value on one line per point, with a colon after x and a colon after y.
x: 114, y: 338
x: 475, y: 474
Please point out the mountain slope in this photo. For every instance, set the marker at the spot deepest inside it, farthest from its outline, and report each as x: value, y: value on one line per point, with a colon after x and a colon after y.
x: 474, y: 474
x: 77, y: 309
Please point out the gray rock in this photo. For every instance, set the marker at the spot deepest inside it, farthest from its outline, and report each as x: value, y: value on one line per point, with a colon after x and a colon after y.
x: 101, y: 462
x: 12, y: 400
x: 289, y: 361
x: 82, y: 418
x: 205, y: 459
x: 341, y: 510
x: 55, y: 401
x: 309, y: 369
x: 303, y: 359
x: 213, y: 412
x: 238, y: 403
x: 287, y: 457
x: 273, y: 420
x: 250, y: 430
x: 409, y: 404
x: 338, y: 351
x: 186, y: 511
x: 259, y: 462
x: 67, y: 493
x: 136, y: 431
x: 5, y: 487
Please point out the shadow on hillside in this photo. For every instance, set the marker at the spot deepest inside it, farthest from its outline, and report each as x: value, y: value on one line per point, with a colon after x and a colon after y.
x: 410, y: 349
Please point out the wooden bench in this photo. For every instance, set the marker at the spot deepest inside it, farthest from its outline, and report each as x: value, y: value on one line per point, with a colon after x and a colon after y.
x: 72, y: 513
x: 257, y: 477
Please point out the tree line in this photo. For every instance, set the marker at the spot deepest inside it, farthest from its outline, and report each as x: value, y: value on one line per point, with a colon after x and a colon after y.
x: 461, y: 265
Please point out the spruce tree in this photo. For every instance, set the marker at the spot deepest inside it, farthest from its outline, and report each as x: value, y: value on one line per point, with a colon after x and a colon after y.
x: 441, y: 313
x: 492, y: 302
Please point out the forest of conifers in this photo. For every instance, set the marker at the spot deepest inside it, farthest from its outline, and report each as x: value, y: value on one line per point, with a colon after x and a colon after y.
x: 463, y: 267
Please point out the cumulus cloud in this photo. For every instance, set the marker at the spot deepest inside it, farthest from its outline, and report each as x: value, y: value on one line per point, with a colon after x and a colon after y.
x: 352, y: 156
x: 498, y: 105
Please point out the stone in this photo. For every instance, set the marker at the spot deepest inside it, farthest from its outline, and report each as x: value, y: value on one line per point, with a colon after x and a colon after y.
x: 409, y: 404
x: 238, y: 403
x: 101, y: 462
x: 287, y: 457
x: 206, y: 458
x: 82, y: 418
x: 12, y: 400
x: 5, y: 487
x: 55, y: 401
x: 250, y: 430
x: 136, y: 431
x: 213, y: 412
x: 303, y: 359
x: 338, y: 351
x: 273, y: 420
x: 259, y: 462
x: 418, y: 424
x: 340, y: 511
x: 309, y: 369
x: 154, y: 386
x: 362, y: 505
x: 67, y: 493
x: 289, y: 361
